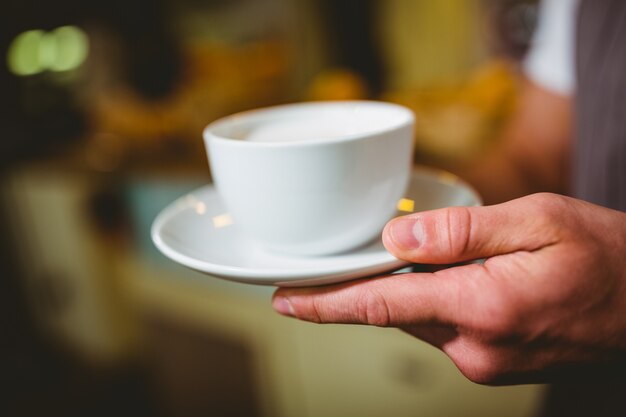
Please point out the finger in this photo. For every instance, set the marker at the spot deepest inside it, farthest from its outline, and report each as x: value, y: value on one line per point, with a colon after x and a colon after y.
x: 395, y: 300
x: 458, y: 234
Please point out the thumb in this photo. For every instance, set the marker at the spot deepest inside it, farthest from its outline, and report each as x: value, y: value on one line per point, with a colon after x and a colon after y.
x: 458, y: 234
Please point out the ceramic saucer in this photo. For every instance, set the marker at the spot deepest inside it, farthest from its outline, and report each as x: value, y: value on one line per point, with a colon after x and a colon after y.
x: 196, y: 231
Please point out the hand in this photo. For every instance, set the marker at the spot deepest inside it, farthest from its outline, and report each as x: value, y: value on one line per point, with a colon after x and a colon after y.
x: 550, y: 297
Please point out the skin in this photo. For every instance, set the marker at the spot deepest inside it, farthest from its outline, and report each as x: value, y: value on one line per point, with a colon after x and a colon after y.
x: 533, y: 153
x: 546, y: 303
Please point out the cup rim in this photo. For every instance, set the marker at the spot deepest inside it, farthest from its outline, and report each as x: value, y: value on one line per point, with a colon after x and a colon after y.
x: 210, y: 135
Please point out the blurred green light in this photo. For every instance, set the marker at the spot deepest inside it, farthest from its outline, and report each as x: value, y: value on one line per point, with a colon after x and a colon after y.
x: 23, y: 57
x: 71, y: 47
x: 34, y: 51
x: 47, y: 50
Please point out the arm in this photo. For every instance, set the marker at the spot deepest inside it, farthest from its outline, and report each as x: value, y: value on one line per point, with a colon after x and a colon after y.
x: 533, y: 154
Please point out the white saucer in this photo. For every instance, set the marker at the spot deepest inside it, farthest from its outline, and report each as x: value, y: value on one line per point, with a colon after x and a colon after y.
x: 196, y: 231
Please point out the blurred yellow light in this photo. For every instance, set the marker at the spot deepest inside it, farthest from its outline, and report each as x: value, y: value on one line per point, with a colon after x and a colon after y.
x: 24, y: 57
x: 404, y: 204
x: 222, y: 220
x: 448, y: 178
x: 200, y: 208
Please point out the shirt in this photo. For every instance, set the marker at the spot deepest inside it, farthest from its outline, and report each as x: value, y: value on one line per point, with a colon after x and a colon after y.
x: 550, y: 61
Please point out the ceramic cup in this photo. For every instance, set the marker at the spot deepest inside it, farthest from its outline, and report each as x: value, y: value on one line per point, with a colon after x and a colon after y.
x: 312, y: 178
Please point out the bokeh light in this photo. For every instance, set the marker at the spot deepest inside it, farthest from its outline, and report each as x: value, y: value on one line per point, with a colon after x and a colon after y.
x: 24, y: 57
x: 71, y: 47
x: 35, y: 51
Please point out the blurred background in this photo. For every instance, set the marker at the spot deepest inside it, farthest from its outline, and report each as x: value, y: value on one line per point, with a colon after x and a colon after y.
x: 102, y: 105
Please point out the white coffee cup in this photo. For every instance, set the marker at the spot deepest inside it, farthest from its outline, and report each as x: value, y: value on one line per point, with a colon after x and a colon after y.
x: 312, y: 178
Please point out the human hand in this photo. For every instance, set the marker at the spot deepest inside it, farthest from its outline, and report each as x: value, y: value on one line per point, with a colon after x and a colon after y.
x: 550, y: 297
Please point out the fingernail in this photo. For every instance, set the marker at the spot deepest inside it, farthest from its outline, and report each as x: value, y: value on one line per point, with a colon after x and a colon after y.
x: 406, y: 233
x: 283, y: 306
